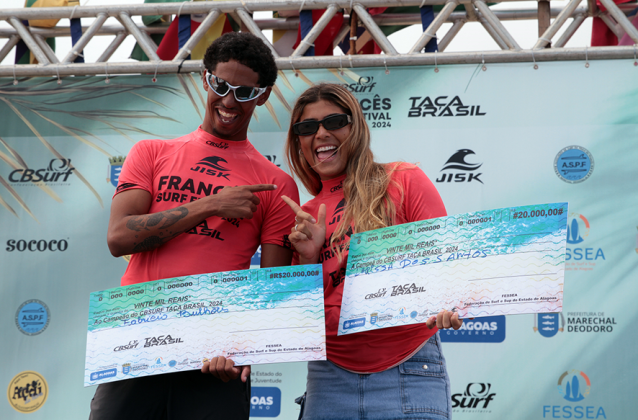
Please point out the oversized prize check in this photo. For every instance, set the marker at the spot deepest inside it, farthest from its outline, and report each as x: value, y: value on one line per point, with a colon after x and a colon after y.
x: 495, y: 262
x: 268, y: 315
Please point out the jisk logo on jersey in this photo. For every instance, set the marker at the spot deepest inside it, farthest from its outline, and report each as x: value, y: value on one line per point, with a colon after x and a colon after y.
x: 212, y: 166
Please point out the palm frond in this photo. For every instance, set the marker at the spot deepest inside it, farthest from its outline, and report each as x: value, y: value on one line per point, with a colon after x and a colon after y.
x: 281, y: 98
x: 197, y: 89
x: 15, y: 195
x: 15, y: 154
x: 284, y: 79
x: 272, y: 112
x: 52, y: 149
x: 188, y: 93
x: 337, y: 74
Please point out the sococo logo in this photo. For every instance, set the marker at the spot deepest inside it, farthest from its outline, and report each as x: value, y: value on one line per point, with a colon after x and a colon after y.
x: 580, y: 258
x: 489, y: 329
x: 57, y: 173
x: 442, y: 106
x: 574, y: 386
x: 265, y: 402
x: 475, y: 399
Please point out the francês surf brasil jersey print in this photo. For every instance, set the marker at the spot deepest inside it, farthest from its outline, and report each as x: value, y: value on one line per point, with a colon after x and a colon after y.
x: 188, y: 168
x: 371, y: 351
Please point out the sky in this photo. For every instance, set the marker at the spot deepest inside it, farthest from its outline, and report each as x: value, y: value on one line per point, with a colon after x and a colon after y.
x: 472, y: 36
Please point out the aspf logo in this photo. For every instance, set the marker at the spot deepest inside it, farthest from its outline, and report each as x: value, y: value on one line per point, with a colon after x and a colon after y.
x: 37, y: 245
x: 57, y: 173
x: 457, y: 162
x: 548, y: 325
x: 265, y: 402
x: 441, y: 106
x: 32, y: 317
x: 574, y: 164
x: 212, y: 166
x: 115, y: 168
x: 489, y: 329
x: 580, y: 258
x: 574, y: 386
x: 27, y: 392
x: 475, y: 399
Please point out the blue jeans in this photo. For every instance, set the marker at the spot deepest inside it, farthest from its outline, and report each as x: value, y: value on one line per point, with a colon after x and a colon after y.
x: 418, y: 388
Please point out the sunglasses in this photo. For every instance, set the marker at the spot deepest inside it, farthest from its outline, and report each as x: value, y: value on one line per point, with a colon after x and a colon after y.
x: 332, y: 122
x: 242, y: 93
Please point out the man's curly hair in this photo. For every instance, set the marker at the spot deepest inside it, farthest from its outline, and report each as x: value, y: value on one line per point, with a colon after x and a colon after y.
x: 248, y: 50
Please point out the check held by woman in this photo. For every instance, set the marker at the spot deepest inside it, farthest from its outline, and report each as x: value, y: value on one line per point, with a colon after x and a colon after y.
x: 391, y: 373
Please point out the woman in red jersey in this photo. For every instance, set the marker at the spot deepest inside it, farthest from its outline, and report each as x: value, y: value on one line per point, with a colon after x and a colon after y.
x: 391, y: 373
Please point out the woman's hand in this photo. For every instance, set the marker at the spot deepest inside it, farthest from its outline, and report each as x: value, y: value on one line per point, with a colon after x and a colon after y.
x: 445, y: 319
x: 308, y: 235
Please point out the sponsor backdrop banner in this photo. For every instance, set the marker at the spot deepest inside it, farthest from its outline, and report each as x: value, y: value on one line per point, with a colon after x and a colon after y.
x: 506, y: 136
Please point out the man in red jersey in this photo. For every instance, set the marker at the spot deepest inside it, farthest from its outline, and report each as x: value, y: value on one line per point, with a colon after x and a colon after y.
x: 198, y: 204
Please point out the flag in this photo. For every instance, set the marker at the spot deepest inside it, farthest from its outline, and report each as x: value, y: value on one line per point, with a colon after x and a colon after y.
x: 323, y: 43
x: 23, y: 55
x: 180, y: 31
x: 601, y: 35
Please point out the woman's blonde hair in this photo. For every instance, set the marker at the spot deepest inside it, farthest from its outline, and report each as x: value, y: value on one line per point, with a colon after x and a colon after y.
x: 368, y: 204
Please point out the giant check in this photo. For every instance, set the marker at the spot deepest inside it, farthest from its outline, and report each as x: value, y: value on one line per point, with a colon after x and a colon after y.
x: 495, y: 262
x: 268, y: 315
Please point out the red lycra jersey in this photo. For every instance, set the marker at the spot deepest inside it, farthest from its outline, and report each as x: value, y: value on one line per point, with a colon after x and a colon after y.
x: 371, y: 351
x: 179, y: 171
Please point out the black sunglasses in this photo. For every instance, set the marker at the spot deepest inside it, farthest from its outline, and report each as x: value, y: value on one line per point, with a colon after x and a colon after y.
x: 332, y: 122
x: 242, y: 93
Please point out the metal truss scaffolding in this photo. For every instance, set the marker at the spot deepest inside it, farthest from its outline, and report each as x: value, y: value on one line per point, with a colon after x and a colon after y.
x: 546, y: 47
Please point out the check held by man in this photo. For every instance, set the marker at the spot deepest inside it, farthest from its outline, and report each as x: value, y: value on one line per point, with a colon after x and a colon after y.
x: 202, y: 203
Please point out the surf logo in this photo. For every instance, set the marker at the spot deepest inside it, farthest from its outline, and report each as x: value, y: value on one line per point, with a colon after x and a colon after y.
x: 458, y: 162
x: 476, y: 396
x: 365, y: 84
x: 59, y: 170
x: 212, y: 166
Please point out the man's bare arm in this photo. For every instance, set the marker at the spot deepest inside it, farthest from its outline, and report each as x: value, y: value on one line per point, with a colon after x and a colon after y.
x: 132, y: 229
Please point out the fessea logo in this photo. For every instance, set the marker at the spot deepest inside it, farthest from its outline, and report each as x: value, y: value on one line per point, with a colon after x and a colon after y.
x: 578, y: 255
x: 574, y: 387
x: 458, y: 169
x: 265, y: 402
x: 489, y: 329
